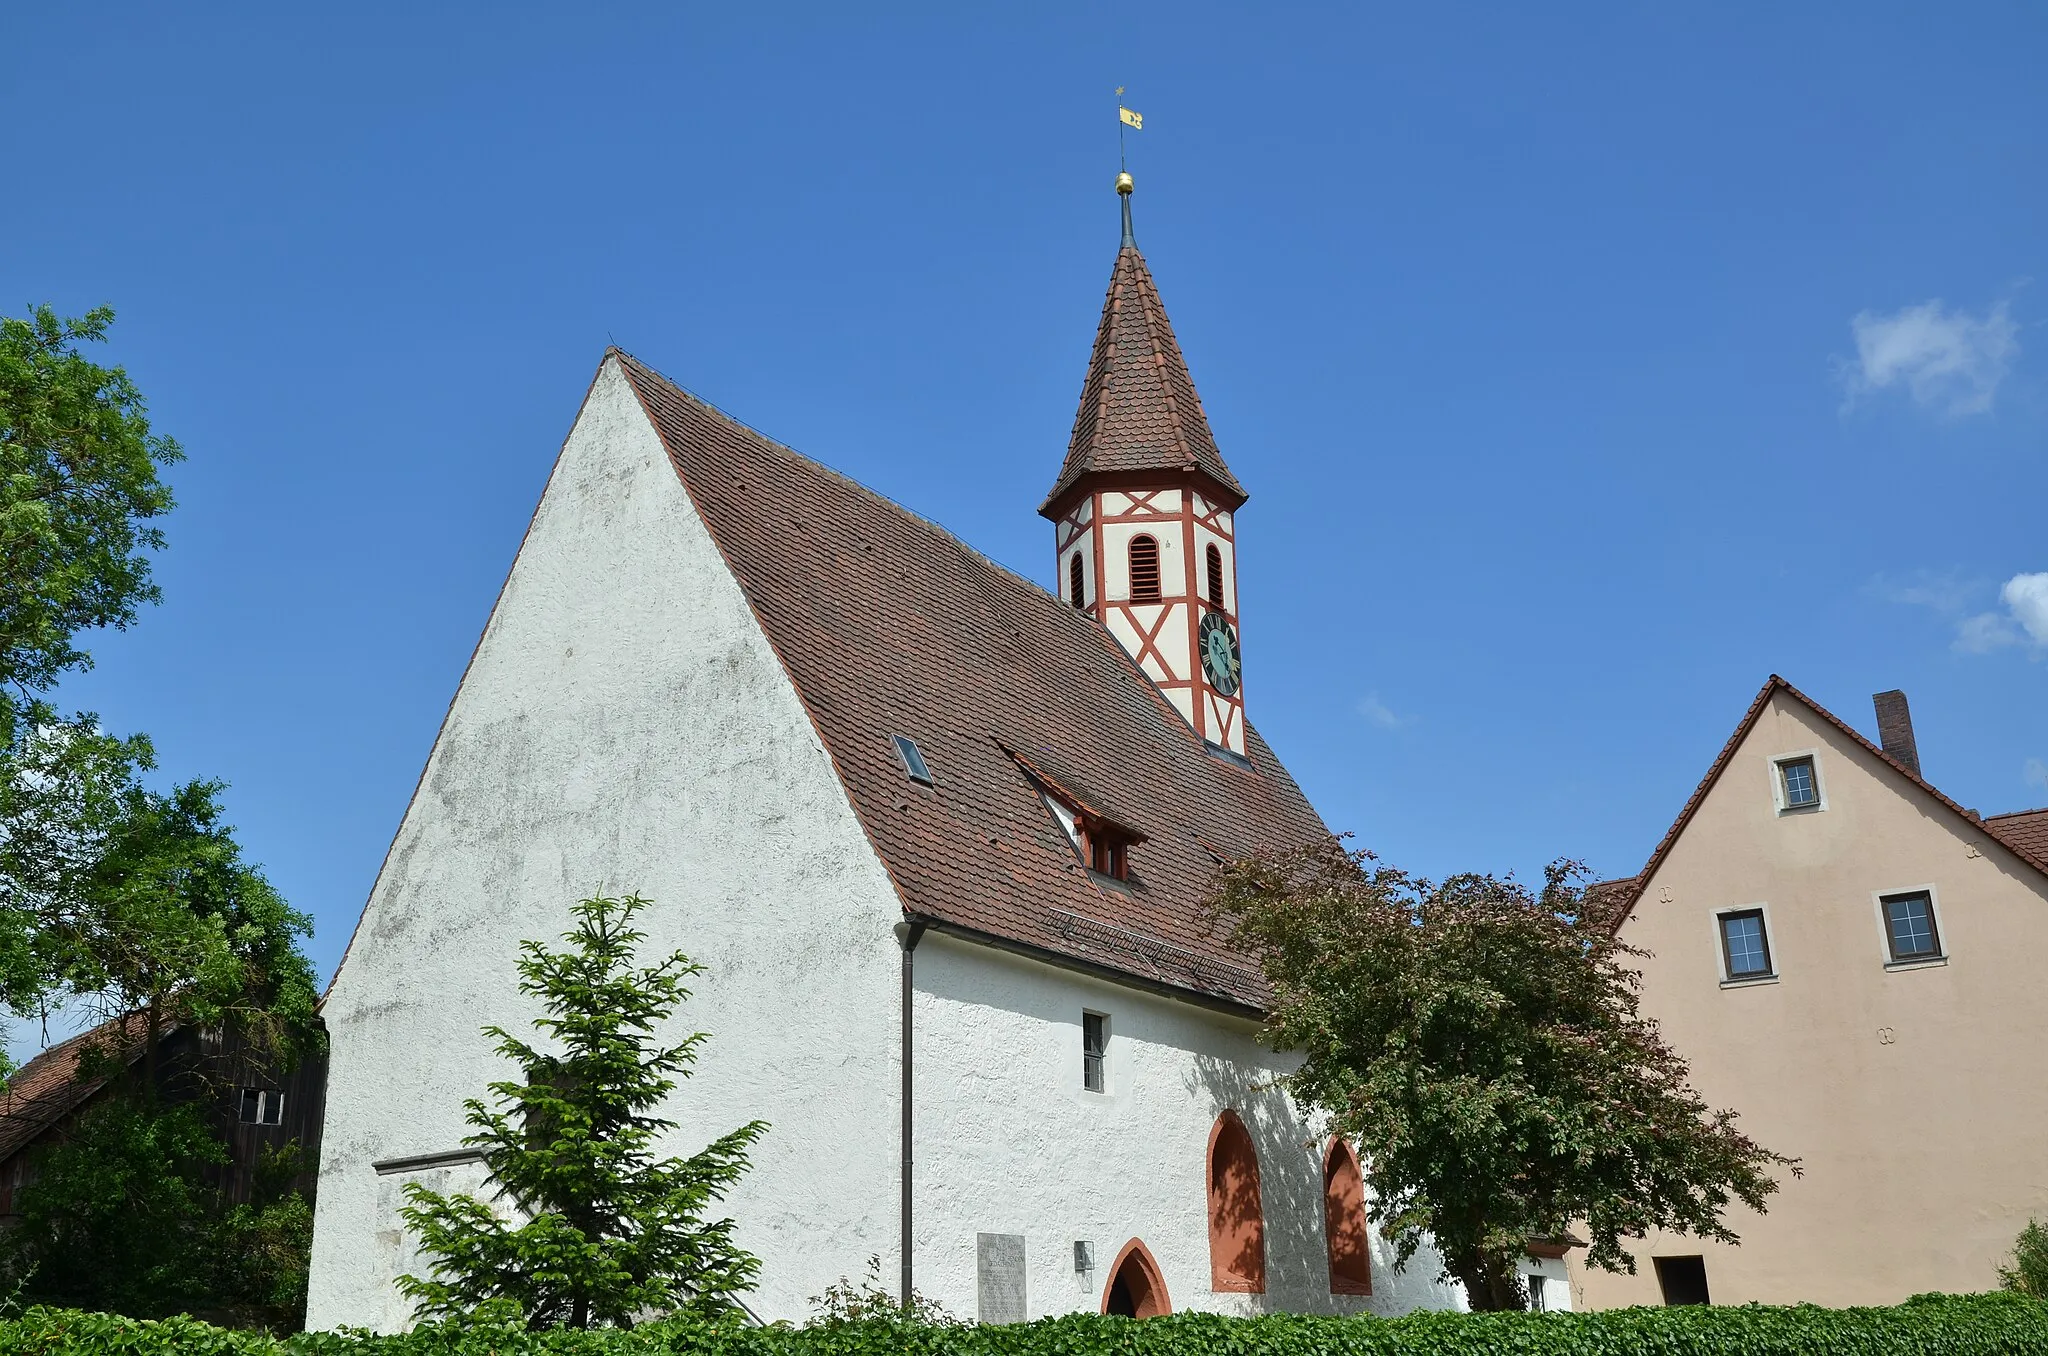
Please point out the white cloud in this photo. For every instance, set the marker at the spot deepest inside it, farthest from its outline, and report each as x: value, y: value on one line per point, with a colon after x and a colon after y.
x: 2024, y: 621
x: 2036, y: 773
x: 1948, y: 592
x: 2027, y: 596
x: 1379, y: 713
x: 1985, y: 632
x: 1949, y: 361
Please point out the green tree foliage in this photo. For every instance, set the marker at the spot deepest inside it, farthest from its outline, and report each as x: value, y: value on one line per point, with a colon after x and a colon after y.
x: 1485, y: 1043
x: 176, y: 927
x: 605, y: 1232
x: 2028, y: 1270
x: 122, y: 1212
x: 78, y: 485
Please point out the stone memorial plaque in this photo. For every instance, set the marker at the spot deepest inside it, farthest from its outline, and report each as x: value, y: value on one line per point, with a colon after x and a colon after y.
x: 999, y: 1278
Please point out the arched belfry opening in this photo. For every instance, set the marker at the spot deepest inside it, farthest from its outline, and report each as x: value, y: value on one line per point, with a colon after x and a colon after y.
x: 1237, y: 1219
x: 1344, y: 1221
x: 1135, y: 1287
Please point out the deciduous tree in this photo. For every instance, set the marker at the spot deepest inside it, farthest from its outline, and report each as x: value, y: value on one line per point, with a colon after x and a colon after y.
x: 1483, y: 1046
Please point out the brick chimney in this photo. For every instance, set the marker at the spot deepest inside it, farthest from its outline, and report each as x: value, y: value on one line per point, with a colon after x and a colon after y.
x: 1895, y: 729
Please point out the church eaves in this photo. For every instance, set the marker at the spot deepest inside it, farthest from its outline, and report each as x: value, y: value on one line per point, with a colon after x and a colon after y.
x: 1139, y: 411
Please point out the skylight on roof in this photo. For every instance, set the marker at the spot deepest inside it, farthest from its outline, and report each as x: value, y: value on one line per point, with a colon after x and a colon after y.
x: 913, y: 759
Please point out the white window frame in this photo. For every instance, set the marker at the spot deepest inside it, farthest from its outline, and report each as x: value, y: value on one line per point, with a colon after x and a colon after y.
x: 1884, y: 936
x: 1770, y: 944
x: 1820, y: 784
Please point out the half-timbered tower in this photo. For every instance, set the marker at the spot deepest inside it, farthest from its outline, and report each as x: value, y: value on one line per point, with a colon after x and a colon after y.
x: 1144, y: 508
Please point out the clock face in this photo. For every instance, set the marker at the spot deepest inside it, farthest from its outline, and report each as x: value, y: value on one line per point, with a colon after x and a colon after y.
x: 1220, y: 661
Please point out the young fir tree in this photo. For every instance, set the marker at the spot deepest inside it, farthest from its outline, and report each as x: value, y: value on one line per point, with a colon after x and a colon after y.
x: 603, y: 1232
x: 1486, y: 1043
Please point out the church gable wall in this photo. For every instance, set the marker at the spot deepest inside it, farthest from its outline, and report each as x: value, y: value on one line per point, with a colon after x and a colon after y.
x: 1010, y: 1143
x: 625, y: 725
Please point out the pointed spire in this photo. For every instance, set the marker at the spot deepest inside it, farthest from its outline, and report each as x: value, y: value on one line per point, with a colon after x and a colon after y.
x: 1139, y: 410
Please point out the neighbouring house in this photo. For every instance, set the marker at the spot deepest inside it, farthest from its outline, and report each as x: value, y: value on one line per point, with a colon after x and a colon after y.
x: 1853, y: 962
x: 940, y: 835
x: 252, y: 1106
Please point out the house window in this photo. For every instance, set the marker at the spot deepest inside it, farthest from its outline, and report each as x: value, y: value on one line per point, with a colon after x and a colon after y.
x: 1215, y: 578
x: 1077, y: 581
x: 1237, y: 1218
x: 1682, y: 1279
x: 1094, y: 1049
x: 1538, y: 1301
x: 1745, y: 944
x: 1344, y: 1221
x: 1144, y: 569
x: 262, y: 1107
x: 1801, y: 788
x: 1909, y: 928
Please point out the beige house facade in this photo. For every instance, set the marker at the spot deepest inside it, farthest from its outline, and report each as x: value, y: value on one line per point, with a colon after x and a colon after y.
x: 1854, y: 963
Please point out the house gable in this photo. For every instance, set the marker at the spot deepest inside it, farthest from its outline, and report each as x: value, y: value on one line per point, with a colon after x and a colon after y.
x: 624, y: 724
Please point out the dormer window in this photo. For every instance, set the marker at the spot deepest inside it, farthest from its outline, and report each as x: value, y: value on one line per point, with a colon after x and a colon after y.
x: 1109, y: 852
x: 1144, y: 569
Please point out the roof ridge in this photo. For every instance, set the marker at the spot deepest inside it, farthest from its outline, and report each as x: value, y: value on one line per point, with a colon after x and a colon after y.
x: 2015, y: 814
x: 868, y: 491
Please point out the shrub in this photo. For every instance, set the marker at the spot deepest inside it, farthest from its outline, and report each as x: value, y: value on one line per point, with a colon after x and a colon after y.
x: 2028, y: 1273
x: 1932, y: 1325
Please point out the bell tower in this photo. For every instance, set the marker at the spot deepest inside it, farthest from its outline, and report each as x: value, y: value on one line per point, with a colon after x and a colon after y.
x: 1144, y: 510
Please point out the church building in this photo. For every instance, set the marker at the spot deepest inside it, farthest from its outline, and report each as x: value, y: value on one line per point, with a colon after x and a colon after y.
x: 940, y: 837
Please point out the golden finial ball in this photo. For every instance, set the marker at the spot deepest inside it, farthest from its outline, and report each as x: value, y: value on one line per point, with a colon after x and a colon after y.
x: 1123, y: 183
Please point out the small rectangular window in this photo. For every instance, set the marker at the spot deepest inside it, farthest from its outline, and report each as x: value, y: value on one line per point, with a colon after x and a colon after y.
x: 1537, y: 1299
x: 260, y: 1107
x: 1682, y: 1279
x: 913, y: 759
x: 1094, y: 1047
x: 1801, y: 790
x: 1745, y: 947
x: 1909, y: 927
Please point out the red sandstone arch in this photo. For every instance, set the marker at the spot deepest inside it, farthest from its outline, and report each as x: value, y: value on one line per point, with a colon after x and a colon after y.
x: 1135, y: 1288
x: 1237, y: 1221
x: 1344, y: 1221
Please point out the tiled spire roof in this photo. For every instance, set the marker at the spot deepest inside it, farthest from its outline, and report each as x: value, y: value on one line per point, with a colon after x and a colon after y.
x: 1139, y: 410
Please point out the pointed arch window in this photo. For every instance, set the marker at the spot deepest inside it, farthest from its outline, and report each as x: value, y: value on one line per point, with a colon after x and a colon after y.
x: 1077, y: 581
x: 1144, y: 568
x: 1344, y: 1221
x: 1215, y: 577
x: 1136, y: 1289
x: 1237, y: 1220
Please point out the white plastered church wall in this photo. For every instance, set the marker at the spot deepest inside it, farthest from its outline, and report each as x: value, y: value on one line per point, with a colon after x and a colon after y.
x: 1007, y: 1141
x: 625, y: 725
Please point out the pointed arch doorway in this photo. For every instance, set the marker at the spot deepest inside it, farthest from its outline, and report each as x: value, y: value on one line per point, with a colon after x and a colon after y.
x: 1135, y: 1287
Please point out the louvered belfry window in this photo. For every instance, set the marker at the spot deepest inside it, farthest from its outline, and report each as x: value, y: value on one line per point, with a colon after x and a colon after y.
x: 1077, y: 582
x: 1215, y: 578
x: 1144, y: 569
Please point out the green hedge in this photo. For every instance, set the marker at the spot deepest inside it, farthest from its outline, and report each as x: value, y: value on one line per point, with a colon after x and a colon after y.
x: 1934, y: 1325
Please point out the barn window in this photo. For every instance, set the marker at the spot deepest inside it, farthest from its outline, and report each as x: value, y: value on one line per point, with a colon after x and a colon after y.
x: 262, y: 1107
x: 1237, y: 1222
x: 1344, y: 1221
x: 1077, y: 582
x: 1144, y: 569
x: 1215, y: 577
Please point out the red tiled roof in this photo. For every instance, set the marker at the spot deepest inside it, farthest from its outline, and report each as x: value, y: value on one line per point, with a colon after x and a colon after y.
x: 2027, y: 841
x: 1139, y: 411
x: 45, y: 1089
x: 887, y: 624
x: 2024, y: 831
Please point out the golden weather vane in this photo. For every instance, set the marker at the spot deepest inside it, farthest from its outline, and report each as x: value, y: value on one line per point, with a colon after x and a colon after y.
x: 1125, y: 118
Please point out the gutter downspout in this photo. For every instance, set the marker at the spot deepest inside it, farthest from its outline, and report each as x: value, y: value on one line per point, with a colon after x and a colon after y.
x: 909, y: 933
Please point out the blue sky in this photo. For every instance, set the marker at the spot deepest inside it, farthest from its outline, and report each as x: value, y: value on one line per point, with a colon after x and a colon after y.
x: 1585, y: 366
